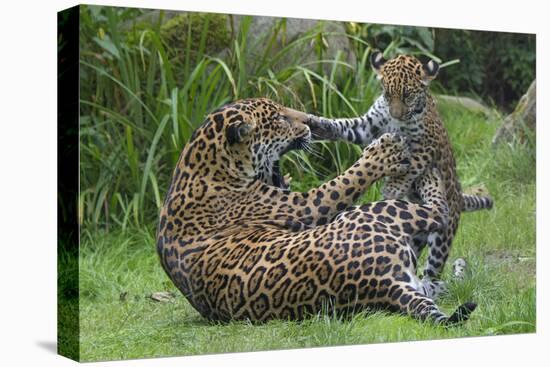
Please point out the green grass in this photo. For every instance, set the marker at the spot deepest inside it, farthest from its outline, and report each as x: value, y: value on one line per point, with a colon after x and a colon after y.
x: 499, y: 245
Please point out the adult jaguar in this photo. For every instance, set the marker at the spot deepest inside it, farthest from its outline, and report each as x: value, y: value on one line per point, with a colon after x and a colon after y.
x: 407, y: 107
x: 239, y: 248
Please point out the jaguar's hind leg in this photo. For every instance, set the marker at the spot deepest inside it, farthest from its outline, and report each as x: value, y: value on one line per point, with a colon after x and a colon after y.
x: 432, y: 288
x: 435, y: 288
x: 430, y: 188
x: 421, y: 307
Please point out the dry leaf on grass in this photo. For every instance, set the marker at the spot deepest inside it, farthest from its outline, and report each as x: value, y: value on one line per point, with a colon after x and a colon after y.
x: 162, y: 296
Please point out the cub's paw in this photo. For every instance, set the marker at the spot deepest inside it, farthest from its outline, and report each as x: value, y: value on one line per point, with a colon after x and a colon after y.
x: 321, y: 129
x: 459, y: 268
x: 389, y: 155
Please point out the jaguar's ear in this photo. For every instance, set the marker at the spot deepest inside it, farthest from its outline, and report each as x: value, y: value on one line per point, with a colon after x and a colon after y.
x: 237, y: 132
x: 377, y: 60
x: 429, y: 71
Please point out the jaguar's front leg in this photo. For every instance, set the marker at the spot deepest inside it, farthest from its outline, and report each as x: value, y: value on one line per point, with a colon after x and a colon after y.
x: 386, y: 156
x: 360, y: 130
x: 433, y: 288
x: 401, y: 187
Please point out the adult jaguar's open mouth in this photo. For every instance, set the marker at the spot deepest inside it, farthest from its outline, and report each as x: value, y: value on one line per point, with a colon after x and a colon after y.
x: 271, y: 173
x: 277, y: 179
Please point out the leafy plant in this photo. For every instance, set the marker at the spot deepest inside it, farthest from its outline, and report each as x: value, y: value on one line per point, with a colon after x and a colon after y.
x: 497, y: 66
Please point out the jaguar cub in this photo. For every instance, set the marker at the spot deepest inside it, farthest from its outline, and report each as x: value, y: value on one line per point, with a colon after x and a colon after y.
x: 406, y: 106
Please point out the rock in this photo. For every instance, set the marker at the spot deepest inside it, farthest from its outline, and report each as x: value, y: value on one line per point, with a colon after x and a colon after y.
x: 524, y: 117
x: 174, y: 33
x: 150, y: 17
x: 295, y: 28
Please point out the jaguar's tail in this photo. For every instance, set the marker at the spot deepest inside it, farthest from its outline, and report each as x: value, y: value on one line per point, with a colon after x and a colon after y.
x: 476, y: 202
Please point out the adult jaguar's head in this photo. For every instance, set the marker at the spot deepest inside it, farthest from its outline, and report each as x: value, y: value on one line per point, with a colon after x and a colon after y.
x: 254, y: 134
x: 405, y: 83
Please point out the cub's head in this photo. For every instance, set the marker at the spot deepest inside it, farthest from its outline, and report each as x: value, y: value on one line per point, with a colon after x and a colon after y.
x: 257, y: 132
x: 405, y: 83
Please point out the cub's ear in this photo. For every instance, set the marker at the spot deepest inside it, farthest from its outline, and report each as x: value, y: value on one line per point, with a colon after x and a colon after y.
x: 237, y: 132
x: 429, y: 71
x: 377, y: 60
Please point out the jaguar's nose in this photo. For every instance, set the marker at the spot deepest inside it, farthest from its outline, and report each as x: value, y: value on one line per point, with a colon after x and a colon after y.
x: 294, y: 115
x: 398, y: 110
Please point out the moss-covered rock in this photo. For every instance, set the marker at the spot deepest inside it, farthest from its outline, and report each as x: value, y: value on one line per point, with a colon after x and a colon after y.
x: 209, y: 34
x: 524, y: 118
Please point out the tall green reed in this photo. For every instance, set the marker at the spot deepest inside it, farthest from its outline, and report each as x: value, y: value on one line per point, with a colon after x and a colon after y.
x: 140, y: 105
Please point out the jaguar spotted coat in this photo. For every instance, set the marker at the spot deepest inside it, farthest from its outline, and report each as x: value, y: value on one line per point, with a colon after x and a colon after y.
x: 240, y: 248
x: 407, y: 107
